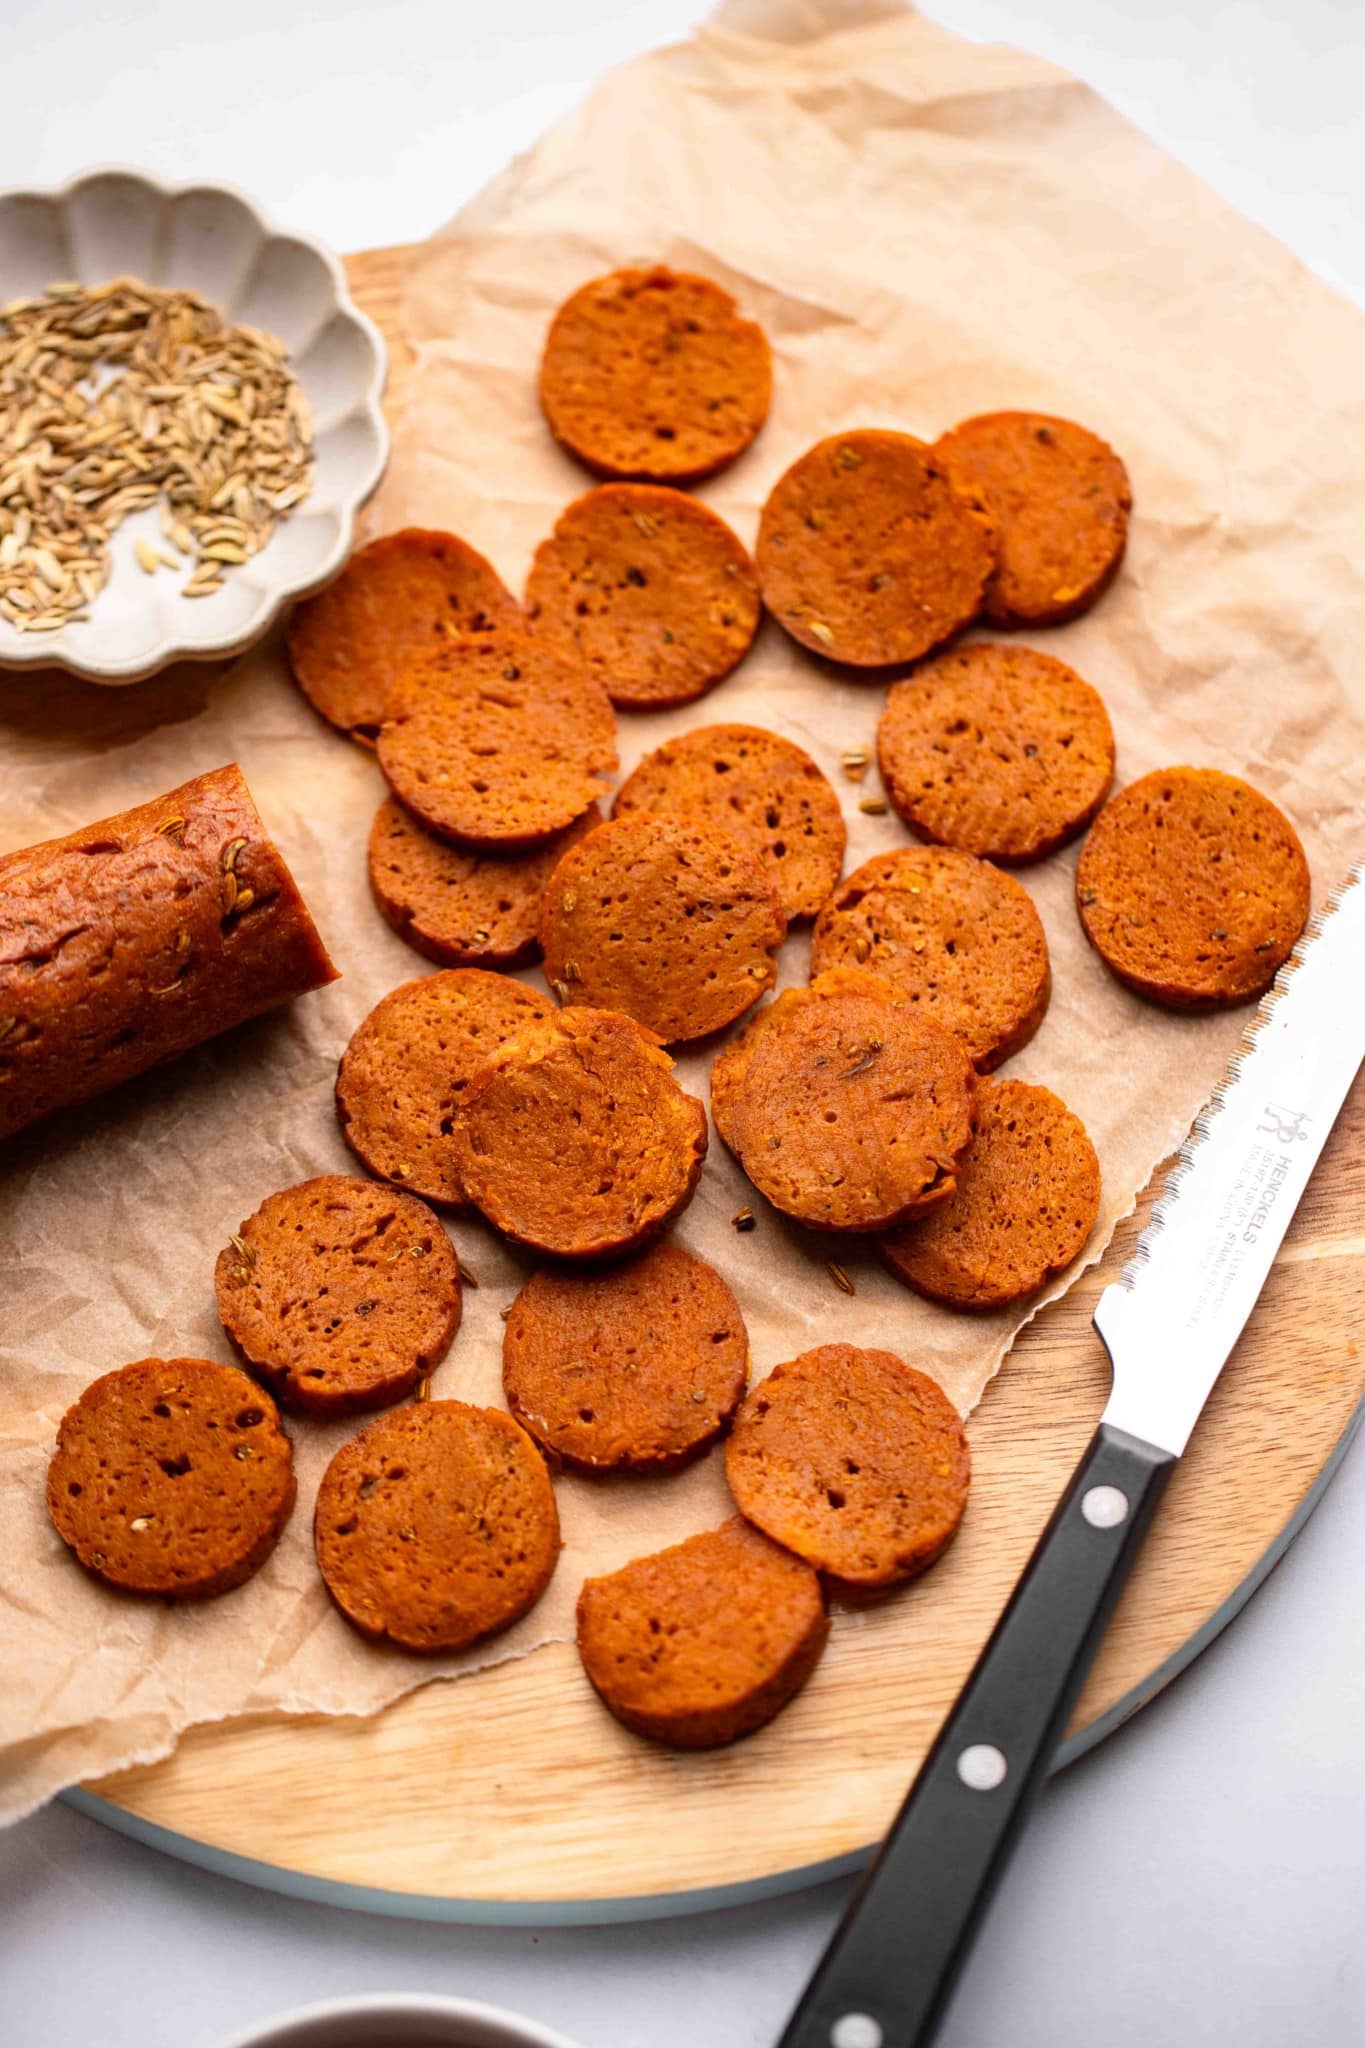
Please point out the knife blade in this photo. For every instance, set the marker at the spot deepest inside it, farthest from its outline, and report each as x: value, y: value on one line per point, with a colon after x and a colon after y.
x: 1171, y: 1319
x: 1170, y: 1323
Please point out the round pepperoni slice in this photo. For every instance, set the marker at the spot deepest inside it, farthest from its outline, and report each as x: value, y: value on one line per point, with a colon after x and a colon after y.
x: 340, y: 1294
x: 959, y: 938
x: 436, y: 1526
x: 1193, y: 887
x: 654, y: 374
x: 1027, y: 1195
x: 706, y: 1641
x: 497, y: 744
x: 394, y: 602
x: 1060, y: 497
x: 672, y: 923
x: 845, y: 1106
x: 998, y: 750
x: 649, y: 590
x: 171, y: 1477
x: 576, y: 1141
x: 758, y: 786
x: 640, y: 1368
x: 870, y: 551
x: 458, y: 907
x: 854, y: 1461
x: 408, y: 1064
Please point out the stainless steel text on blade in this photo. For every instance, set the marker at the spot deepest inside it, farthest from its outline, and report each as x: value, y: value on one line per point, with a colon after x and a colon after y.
x: 1173, y: 1317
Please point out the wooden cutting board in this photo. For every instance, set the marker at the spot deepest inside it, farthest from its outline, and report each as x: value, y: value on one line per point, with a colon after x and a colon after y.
x: 512, y: 1794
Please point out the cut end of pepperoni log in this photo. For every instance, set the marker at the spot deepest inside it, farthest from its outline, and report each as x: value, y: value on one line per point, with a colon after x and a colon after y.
x: 129, y: 942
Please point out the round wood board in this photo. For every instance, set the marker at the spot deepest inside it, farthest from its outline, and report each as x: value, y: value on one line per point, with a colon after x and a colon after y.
x: 512, y: 1795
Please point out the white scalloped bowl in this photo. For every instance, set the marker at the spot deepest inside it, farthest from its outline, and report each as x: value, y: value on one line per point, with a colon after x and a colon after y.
x: 208, y: 239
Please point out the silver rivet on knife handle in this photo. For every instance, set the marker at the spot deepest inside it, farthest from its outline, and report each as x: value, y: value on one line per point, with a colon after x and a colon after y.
x: 1104, y: 1507
x: 982, y: 1767
x: 856, y: 2030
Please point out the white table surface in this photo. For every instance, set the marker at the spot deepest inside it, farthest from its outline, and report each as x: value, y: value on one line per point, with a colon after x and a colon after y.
x: 1198, y: 1881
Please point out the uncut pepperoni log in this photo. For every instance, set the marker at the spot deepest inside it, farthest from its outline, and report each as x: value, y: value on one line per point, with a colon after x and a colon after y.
x: 998, y: 750
x: 853, y: 1460
x: 637, y: 1369
x: 670, y: 922
x: 1028, y: 1192
x: 654, y: 374
x: 1060, y: 497
x: 1192, y: 887
x: 844, y: 1106
x: 706, y: 1641
x: 458, y: 907
x: 436, y: 1526
x: 400, y: 1079
x: 498, y: 743
x: 764, y: 789
x: 171, y: 1477
x: 131, y: 941
x: 341, y: 1295
x: 395, y: 601
x: 870, y: 550
x: 576, y: 1141
x: 958, y: 937
x: 649, y: 589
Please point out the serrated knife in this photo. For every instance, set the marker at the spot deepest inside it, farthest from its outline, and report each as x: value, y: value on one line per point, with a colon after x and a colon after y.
x: 1169, y: 1324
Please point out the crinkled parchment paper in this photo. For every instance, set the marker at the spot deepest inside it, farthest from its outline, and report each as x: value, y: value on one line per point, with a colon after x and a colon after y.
x: 926, y: 229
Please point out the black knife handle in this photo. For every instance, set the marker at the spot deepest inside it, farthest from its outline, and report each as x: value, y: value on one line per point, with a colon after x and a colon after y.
x: 886, y: 1976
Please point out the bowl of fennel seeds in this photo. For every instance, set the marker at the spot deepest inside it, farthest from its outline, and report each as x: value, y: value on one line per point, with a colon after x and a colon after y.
x: 190, y: 422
